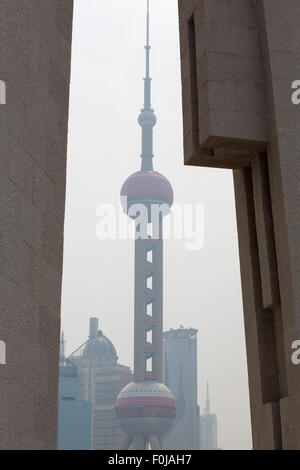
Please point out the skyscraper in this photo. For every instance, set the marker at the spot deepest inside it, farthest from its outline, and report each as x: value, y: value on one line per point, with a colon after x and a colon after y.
x: 74, y: 415
x: 146, y: 408
x: 208, y: 426
x: 180, y: 375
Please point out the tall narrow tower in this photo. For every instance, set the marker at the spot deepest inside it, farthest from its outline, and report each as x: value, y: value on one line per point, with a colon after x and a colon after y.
x: 146, y: 408
x: 207, y: 403
x: 208, y: 427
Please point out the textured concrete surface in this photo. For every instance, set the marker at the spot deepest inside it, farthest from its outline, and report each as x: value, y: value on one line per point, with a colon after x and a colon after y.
x: 35, y: 58
x: 239, y: 60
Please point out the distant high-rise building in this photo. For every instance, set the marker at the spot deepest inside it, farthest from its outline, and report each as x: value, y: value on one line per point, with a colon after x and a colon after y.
x: 208, y: 427
x: 180, y: 375
x: 74, y: 415
x: 101, y: 380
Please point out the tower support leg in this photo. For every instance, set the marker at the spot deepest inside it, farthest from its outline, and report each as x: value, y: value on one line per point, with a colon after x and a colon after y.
x: 154, y: 442
x: 139, y: 443
x: 126, y: 442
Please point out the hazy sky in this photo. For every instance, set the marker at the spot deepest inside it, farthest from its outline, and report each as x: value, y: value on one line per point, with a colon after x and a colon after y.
x: 201, y: 288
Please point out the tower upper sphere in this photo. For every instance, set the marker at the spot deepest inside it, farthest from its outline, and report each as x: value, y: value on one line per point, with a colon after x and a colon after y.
x: 147, y: 118
x: 148, y: 186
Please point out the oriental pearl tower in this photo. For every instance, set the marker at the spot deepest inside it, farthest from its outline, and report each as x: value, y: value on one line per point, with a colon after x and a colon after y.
x: 145, y: 408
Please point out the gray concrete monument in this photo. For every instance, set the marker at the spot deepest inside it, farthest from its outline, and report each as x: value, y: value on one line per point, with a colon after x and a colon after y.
x: 35, y: 59
x: 240, y: 60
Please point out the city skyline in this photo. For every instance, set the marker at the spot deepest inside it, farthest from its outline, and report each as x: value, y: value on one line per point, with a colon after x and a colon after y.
x: 102, y: 166
x: 98, y: 355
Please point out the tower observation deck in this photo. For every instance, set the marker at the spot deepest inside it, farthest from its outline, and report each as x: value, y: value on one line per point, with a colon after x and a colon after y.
x: 146, y: 408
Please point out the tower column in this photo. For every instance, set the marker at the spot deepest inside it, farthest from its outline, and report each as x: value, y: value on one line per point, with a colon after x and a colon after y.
x: 157, y: 337
x: 139, y: 310
x: 148, y: 308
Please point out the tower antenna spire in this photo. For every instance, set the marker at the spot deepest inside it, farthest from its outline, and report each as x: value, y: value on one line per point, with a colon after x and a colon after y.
x: 147, y: 103
x: 62, y: 349
x: 148, y: 22
x: 207, y: 399
x: 147, y: 118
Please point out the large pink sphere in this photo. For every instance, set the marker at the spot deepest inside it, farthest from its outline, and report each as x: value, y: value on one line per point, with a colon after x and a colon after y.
x: 147, y: 186
x: 146, y: 408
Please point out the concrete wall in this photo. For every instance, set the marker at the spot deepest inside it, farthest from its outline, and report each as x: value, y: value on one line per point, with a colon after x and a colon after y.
x: 239, y: 60
x: 35, y: 38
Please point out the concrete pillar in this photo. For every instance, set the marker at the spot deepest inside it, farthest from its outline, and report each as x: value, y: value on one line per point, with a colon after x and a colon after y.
x: 35, y: 64
x: 239, y: 60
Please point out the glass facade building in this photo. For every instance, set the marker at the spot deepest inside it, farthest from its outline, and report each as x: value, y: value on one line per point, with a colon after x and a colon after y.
x: 180, y: 375
x: 74, y: 415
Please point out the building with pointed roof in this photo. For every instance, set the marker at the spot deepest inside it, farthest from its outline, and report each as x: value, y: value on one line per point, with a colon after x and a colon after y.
x: 208, y: 426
